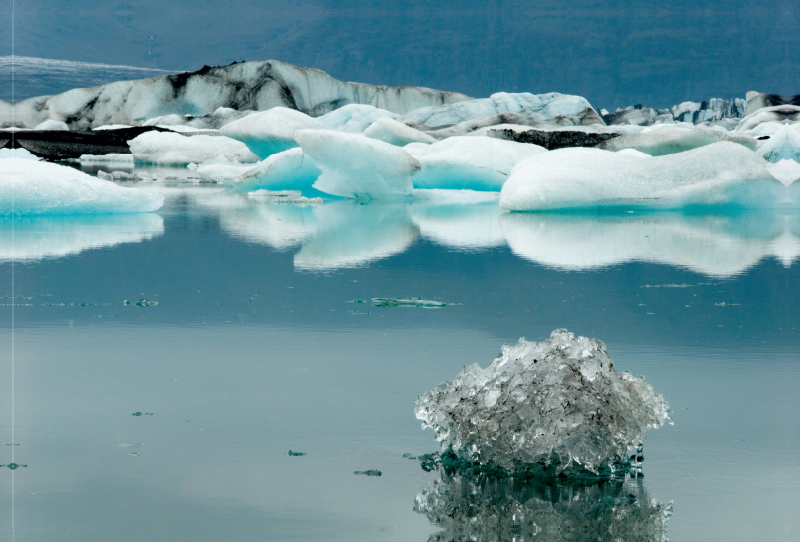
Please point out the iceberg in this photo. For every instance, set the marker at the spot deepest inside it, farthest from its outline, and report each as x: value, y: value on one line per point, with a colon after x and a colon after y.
x: 54, y: 125
x: 43, y: 237
x: 173, y: 149
x: 270, y: 132
x: 470, y: 509
x: 718, y: 174
x: 354, y: 118
x: 354, y: 166
x: 256, y: 86
x: 714, y: 109
x: 396, y: 133
x: 551, y: 409
x: 782, y: 145
x: 30, y: 187
x: 671, y: 140
x: 548, y: 139
x: 777, y: 114
x: 468, y: 162
x: 287, y: 170
x: 553, y: 108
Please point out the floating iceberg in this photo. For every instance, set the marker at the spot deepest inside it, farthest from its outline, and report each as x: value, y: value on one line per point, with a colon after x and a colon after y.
x: 554, y: 408
x: 172, y: 149
x: 464, y: 162
x: 782, y: 145
x: 29, y: 187
x: 671, y: 140
x: 354, y: 118
x: 43, y: 237
x: 396, y: 133
x: 779, y: 114
x: 354, y: 166
x: 469, y: 509
x: 287, y: 170
x: 270, y: 132
x: 389, y: 302
x: 718, y: 174
x: 551, y: 108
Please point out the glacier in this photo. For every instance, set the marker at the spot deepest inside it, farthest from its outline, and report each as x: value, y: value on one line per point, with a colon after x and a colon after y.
x: 354, y: 166
x: 31, y: 187
x: 551, y: 409
x: 722, y: 173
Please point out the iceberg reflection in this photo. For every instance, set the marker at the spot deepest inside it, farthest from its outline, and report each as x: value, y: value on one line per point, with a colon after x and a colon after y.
x: 458, y: 226
x: 39, y: 237
x: 479, y: 509
x: 715, y: 245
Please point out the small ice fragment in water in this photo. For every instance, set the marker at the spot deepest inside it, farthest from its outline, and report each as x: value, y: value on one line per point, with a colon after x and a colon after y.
x: 406, y: 302
x: 555, y: 408
x: 356, y: 301
x: 723, y: 304
x: 129, y: 445
x: 296, y: 454
x: 14, y: 466
x: 142, y: 414
x: 371, y: 472
x: 141, y: 303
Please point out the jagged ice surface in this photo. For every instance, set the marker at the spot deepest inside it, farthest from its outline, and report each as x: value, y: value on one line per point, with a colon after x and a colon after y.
x: 551, y: 408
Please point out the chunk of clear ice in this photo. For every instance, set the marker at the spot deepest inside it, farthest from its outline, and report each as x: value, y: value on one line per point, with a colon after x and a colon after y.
x: 554, y: 408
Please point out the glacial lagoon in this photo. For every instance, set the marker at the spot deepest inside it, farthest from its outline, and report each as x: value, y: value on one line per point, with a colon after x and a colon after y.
x: 167, y: 363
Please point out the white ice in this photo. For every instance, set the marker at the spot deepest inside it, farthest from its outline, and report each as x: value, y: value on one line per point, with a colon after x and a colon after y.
x: 553, y: 107
x: 270, y: 132
x: 716, y: 174
x: 29, y: 187
x: 53, y: 125
x: 782, y: 145
x: 171, y: 149
x: 396, y: 133
x: 288, y: 170
x: 117, y: 159
x: 354, y: 166
x: 354, y: 118
x: 671, y: 140
x: 786, y: 171
x: 468, y: 162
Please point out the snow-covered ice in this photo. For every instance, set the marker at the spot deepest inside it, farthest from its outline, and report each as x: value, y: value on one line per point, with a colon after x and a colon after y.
x: 553, y: 108
x: 30, y: 187
x: 354, y: 118
x: 171, y: 149
x: 718, y: 174
x: 354, y: 166
x: 288, y: 170
x: 782, y: 145
x: 52, y: 125
x: 671, y: 140
x: 464, y: 162
x: 552, y: 408
x: 270, y: 132
x: 396, y: 133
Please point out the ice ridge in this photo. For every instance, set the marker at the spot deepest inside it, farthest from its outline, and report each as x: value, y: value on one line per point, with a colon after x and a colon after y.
x: 551, y: 409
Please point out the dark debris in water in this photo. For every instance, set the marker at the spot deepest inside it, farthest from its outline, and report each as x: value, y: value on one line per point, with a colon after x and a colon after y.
x: 13, y: 466
x: 371, y: 472
x: 296, y: 454
x: 141, y: 303
x: 142, y: 414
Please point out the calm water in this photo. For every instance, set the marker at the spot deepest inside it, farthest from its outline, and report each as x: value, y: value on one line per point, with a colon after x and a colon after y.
x: 254, y: 348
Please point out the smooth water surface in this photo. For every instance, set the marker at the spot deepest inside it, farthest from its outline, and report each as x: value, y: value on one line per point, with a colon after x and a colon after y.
x: 236, y: 329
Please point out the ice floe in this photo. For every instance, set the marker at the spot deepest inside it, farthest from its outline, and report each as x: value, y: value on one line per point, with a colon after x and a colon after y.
x: 30, y: 187
x: 270, y: 132
x: 354, y: 118
x: 168, y: 148
x: 671, y: 140
x: 355, y: 166
x: 43, y: 237
x: 396, y: 133
x: 288, y: 170
x: 550, y: 409
x: 782, y: 145
x: 473, y: 163
x: 717, y: 174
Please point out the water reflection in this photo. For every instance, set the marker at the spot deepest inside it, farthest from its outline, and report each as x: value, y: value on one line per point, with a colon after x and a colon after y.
x: 40, y: 237
x: 466, y: 508
x: 341, y: 234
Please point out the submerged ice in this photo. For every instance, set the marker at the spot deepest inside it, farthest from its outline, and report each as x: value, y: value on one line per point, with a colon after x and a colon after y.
x: 554, y: 408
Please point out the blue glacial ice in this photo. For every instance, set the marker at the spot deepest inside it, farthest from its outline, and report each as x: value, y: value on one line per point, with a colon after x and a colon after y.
x: 782, y: 145
x: 468, y: 162
x: 354, y: 118
x: 173, y: 149
x: 270, y: 132
x: 31, y: 187
x: 396, y: 133
x: 718, y: 174
x: 287, y: 170
x: 550, y: 409
x: 354, y: 166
